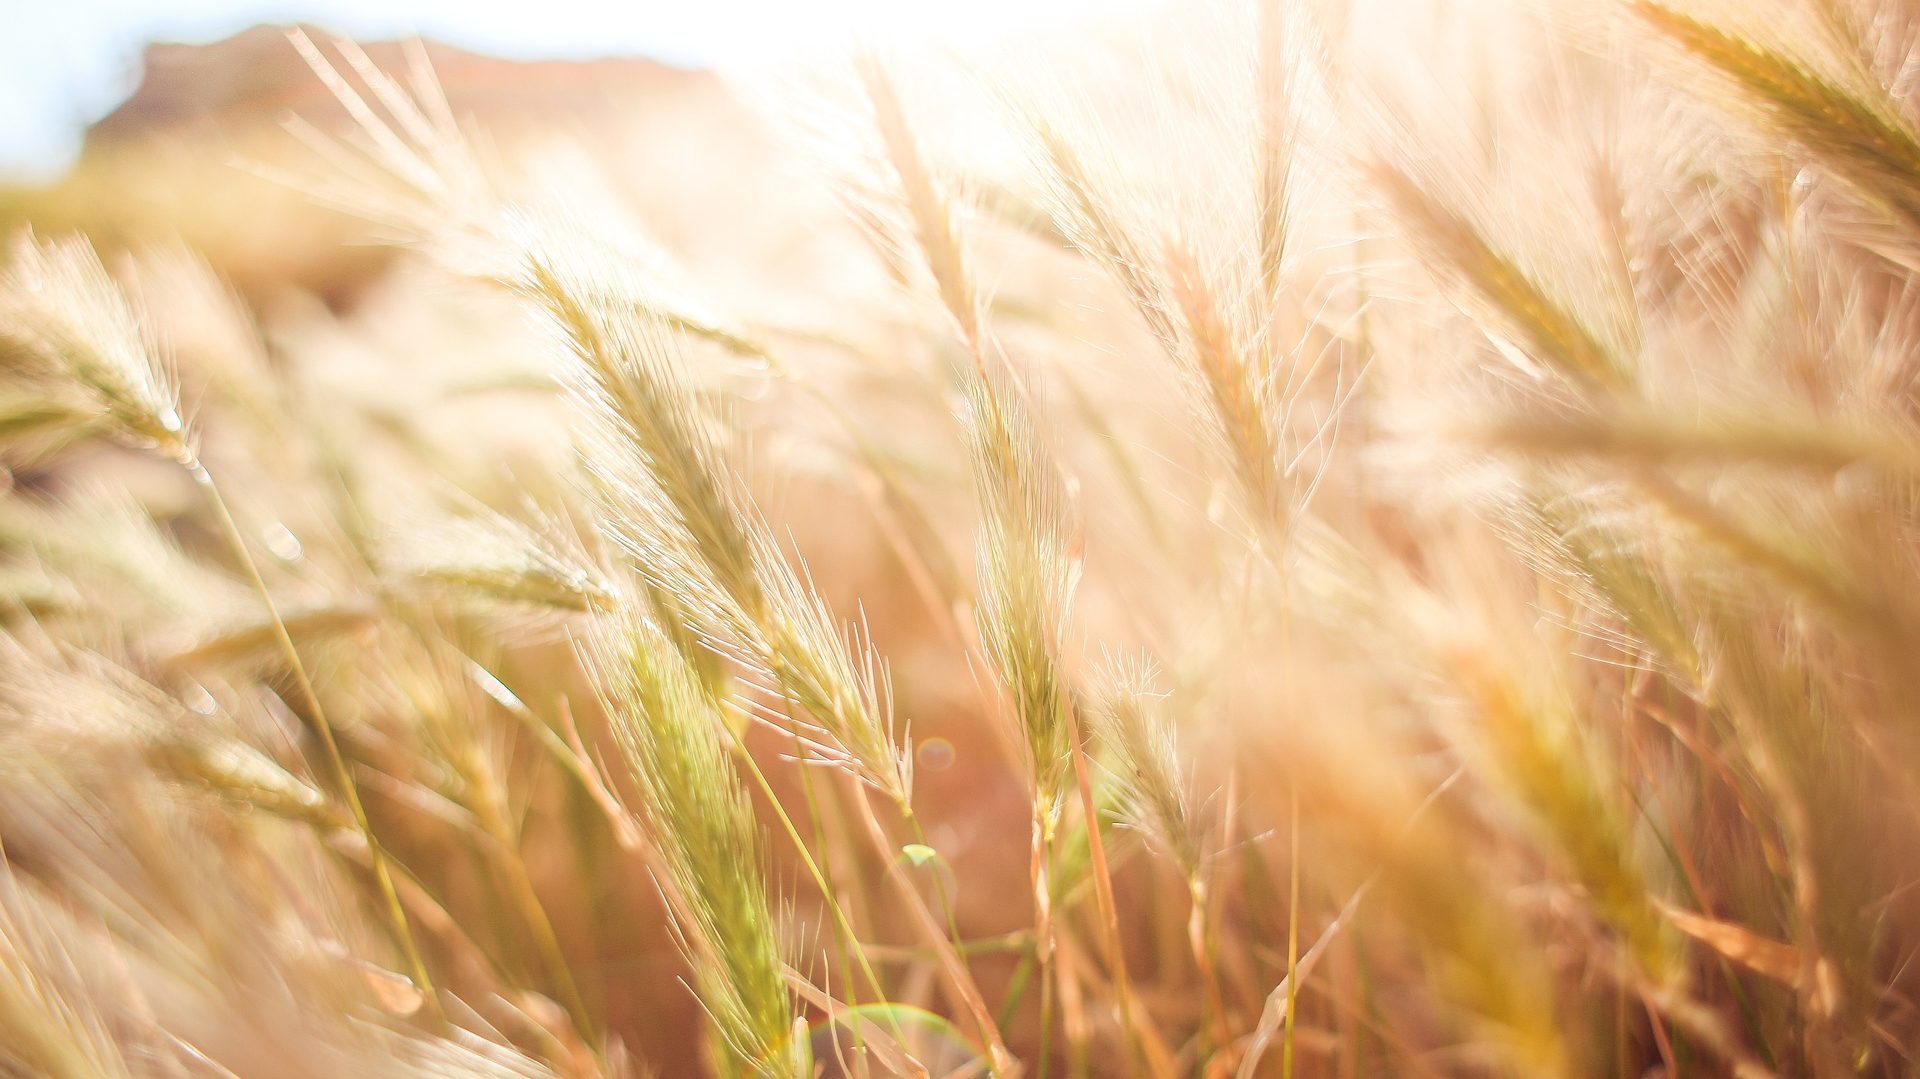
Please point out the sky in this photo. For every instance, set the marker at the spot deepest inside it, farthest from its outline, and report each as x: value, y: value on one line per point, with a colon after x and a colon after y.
x: 64, y: 63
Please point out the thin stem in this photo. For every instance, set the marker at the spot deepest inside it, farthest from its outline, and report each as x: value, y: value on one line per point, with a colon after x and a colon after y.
x: 376, y: 855
x: 849, y: 945
x: 1046, y: 1017
x: 1293, y: 857
x: 626, y: 834
x: 1017, y: 986
x: 493, y: 820
x: 1102, y: 883
x: 1293, y: 929
x: 1040, y: 873
x: 1200, y: 941
x: 956, y: 970
x: 821, y: 881
x: 939, y: 886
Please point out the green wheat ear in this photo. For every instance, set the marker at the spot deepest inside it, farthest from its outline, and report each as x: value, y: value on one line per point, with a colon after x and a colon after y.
x: 704, y: 828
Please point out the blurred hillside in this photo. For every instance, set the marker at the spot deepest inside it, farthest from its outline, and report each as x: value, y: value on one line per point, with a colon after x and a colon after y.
x: 202, y: 151
x: 254, y: 79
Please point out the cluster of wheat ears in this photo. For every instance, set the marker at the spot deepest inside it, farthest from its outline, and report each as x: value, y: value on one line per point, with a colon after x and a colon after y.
x: 1379, y: 562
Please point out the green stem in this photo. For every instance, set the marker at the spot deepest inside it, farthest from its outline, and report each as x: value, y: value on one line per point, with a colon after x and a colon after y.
x: 820, y: 880
x: 849, y: 944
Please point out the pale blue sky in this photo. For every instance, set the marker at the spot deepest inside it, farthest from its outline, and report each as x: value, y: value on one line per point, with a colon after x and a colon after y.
x: 63, y: 63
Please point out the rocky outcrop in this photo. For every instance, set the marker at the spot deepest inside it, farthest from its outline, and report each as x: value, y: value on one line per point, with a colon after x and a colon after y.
x: 256, y: 78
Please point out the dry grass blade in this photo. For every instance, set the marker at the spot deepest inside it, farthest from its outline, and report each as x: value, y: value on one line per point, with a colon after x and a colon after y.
x: 1781, y: 962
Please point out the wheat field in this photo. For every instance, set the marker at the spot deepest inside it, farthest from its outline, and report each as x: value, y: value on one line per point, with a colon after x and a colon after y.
x: 1256, y: 538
